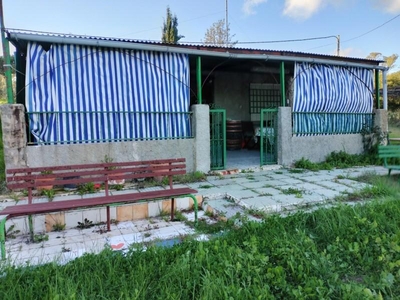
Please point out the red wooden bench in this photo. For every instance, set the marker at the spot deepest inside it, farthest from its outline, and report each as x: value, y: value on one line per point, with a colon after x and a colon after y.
x: 33, y: 178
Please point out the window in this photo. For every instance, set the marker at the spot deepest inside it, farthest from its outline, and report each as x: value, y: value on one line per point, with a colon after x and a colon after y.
x: 264, y: 95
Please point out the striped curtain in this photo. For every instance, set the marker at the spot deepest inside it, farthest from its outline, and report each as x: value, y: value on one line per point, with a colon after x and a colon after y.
x: 88, y: 94
x: 331, y: 100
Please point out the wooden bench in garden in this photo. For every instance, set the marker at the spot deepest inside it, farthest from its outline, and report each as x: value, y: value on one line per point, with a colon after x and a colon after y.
x: 30, y: 179
x: 388, y: 152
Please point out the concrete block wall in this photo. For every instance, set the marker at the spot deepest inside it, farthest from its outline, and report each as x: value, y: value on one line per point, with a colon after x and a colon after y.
x: 315, y: 148
x: 18, y: 154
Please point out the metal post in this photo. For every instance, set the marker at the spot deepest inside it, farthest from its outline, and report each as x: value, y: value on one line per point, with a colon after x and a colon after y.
x: 378, y: 100
x: 385, y: 101
x: 283, y: 91
x: 338, y: 45
x: 6, y: 56
x: 199, y: 85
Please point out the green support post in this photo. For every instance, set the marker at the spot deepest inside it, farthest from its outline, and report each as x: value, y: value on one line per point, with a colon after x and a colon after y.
x: 3, y: 237
x: 378, y: 100
x: 199, y: 85
x: 283, y: 90
x: 6, y: 56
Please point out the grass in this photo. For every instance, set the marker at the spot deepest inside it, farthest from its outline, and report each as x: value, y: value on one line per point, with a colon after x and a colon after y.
x: 345, y: 252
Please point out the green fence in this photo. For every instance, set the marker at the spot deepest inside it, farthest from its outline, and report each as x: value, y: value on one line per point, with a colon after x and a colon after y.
x: 218, y: 139
x: 268, y: 136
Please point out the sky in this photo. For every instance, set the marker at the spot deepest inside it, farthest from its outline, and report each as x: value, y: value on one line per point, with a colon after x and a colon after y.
x: 360, y: 23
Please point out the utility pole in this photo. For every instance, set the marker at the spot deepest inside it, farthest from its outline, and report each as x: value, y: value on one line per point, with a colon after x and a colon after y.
x: 226, y: 23
x: 6, y: 56
x: 338, y: 45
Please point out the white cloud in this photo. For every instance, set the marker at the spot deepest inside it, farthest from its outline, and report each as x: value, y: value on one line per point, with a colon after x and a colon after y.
x: 301, y: 9
x: 249, y: 5
x: 390, y: 6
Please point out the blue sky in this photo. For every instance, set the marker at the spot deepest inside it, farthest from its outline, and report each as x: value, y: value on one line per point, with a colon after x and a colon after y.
x: 250, y: 20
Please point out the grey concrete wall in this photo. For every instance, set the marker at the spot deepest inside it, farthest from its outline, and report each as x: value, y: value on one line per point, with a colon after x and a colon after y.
x: 14, y: 135
x: 201, y: 131
x: 17, y: 154
x: 315, y: 148
x: 381, y: 119
x: 55, y: 155
x: 231, y: 92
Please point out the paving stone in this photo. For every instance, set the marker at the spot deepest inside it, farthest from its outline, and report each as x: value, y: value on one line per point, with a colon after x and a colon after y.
x: 335, y: 186
x: 253, y: 184
x: 268, y: 191
x: 272, y: 183
x: 242, y: 194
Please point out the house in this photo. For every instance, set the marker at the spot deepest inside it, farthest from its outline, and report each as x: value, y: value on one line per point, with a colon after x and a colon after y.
x: 80, y: 98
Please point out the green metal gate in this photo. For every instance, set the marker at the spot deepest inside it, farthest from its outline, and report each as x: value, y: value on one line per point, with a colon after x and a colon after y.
x: 268, y: 136
x: 218, y: 139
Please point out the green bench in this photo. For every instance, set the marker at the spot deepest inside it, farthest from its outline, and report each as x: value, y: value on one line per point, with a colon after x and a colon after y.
x: 387, y: 152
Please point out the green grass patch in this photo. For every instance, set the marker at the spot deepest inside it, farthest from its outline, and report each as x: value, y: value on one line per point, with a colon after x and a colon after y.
x: 345, y: 252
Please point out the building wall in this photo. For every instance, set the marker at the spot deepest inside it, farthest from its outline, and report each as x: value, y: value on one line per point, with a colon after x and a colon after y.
x: 17, y: 154
x: 231, y: 92
x: 315, y: 148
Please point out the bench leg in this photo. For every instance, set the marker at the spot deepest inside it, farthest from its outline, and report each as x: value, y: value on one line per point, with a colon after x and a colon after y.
x: 172, y: 208
x: 108, y: 218
x: 390, y: 171
x: 30, y: 223
x: 3, y: 237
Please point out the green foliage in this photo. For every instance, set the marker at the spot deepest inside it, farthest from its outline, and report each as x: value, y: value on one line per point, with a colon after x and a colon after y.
x: 58, y: 226
x: 186, y: 178
x: 170, y: 29
x: 38, y: 238
x: 50, y: 194
x: 11, y: 233
x: 344, y: 252
x: 293, y: 191
x: 87, y: 188
x: 85, y: 224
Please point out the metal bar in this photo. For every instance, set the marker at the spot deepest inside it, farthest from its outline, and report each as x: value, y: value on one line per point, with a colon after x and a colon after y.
x: 384, y: 92
x: 377, y: 96
x: 172, y: 208
x: 3, y: 236
x: 261, y: 138
x: 199, y: 83
x: 283, y: 90
x: 108, y: 218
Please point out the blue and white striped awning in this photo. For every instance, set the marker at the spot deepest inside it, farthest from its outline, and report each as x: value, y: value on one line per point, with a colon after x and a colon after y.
x: 330, y: 99
x: 82, y: 94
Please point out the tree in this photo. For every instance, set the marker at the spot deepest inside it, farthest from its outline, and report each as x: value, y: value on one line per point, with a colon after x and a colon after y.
x: 170, y: 29
x: 389, y: 60
x: 219, y: 35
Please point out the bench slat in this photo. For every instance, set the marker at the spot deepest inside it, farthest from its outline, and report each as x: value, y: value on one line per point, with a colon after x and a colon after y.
x: 40, y: 208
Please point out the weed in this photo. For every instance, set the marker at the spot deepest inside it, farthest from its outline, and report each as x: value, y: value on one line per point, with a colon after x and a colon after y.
x: 41, y: 237
x: 58, y: 226
x: 63, y: 249
x: 11, y: 233
x: 147, y: 234
x: 50, y: 194
x: 118, y: 187
x: 340, y: 177
x: 247, y: 171
x: 85, y: 224
x: 278, y: 172
x: 209, y: 213
x: 114, y: 221
x: 250, y: 177
x: 296, y: 171
x: 87, y: 188
x: 15, y: 197
x: 164, y: 213
x: 293, y: 191
x: 178, y: 216
x: 205, y: 186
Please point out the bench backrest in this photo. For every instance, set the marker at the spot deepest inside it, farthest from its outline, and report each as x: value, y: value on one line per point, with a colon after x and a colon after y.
x: 30, y: 178
x: 389, y: 151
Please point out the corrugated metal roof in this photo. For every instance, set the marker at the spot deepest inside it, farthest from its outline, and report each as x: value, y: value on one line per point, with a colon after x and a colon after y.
x: 13, y: 33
